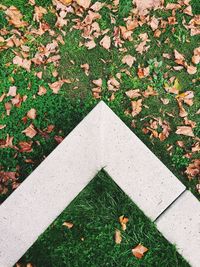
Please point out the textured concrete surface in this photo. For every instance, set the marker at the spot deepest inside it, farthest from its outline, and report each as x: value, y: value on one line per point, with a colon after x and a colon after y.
x: 100, y: 140
x: 49, y: 189
x: 147, y: 181
x: 180, y: 224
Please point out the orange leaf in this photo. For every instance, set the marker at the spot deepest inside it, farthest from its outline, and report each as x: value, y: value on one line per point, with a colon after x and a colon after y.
x: 106, y: 42
x: 30, y: 131
x: 123, y: 221
x: 139, y: 251
x: 185, y: 130
x: 69, y: 225
x: 31, y: 114
x: 118, y: 238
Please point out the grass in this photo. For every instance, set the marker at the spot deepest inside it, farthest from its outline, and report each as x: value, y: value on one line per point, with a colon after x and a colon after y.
x: 67, y: 108
x: 91, y: 240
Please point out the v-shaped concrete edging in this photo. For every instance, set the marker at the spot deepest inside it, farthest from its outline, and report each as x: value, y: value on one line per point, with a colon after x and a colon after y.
x: 101, y: 140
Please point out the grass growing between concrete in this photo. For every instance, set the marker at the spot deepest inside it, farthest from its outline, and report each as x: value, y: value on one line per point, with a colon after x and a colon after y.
x: 90, y: 242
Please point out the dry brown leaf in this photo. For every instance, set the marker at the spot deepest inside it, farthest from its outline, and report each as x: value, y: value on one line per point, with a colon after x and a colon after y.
x: 86, y: 68
x: 196, y: 56
x: 139, y: 251
x: 39, y: 12
x: 182, y: 112
x: 193, y: 170
x: 144, y: 5
x: 106, y: 42
x: 42, y: 90
x: 2, y: 126
x: 30, y: 131
x: 58, y: 139
x: 84, y: 3
x: 24, y: 63
x: 185, y: 130
x: 191, y: 69
x: 188, y: 11
x: 57, y: 85
x: 123, y: 221
x: 12, y: 91
x: 98, y: 82
x: 149, y: 92
x: 2, y: 97
x: 15, y: 17
x: 118, y: 237
x: 97, y: 6
x: 172, y: 6
x: 69, y: 225
x: 25, y: 147
x: 154, y: 23
x: 136, y: 107
x: 31, y: 114
x: 90, y: 44
x: 179, y: 58
x: 129, y: 60
x: 143, y: 72
x: 8, y: 107
x: 133, y: 93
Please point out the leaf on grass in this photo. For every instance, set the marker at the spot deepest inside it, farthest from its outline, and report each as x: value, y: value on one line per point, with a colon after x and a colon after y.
x: 42, y: 90
x: 57, y: 85
x: 69, y: 225
x: 106, y: 42
x: 133, y: 93
x: 8, y: 107
x: 58, y: 139
x: 84, y: 3
x: 139, y: 251
x: 196, y: 56
x: 39, y: 12
x: 136, y: 107
x: 191, y: 69
x: 193, y: 170
x: 144, y: 5
x: 90, y: 44
x: 2, y: 126
x: 129, y: 60
x: 12, y: 91
x: 24, y: 63
x: 15, y: 17
x: 118, y: 237
x: 31, y: 114
x: 98, y: 82
x: 185, y: 130
x: 30, y: 131
x: 123, y: 221
x: 25, y: 146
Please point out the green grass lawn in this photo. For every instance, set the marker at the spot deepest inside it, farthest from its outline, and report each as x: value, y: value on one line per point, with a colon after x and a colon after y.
x: 95, y: 215
x: 61, y: 112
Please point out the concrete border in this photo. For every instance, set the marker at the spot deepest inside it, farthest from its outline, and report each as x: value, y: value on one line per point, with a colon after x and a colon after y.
x: 101, y: 140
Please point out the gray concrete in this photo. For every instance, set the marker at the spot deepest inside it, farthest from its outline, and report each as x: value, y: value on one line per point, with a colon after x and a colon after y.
x: 180, y: 224
x: 100, y: 140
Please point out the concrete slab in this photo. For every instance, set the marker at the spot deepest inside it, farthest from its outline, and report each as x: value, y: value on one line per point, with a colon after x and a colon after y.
x: 180, y: 224
x: 100, y: 140
x: 148, y: 182
x: 49, y: 189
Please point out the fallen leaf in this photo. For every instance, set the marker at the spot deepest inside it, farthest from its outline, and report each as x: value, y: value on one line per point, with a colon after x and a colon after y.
x: 191, y: 69
x: 136, y: 107
x: 193, y: 170
x: 39, y: 12
x: 58, y: 139
x: 24, y: 63
x: 185, y: 130
x: 69, y: 225
x: 123, y: 221
x: 90, y: 44
x: 129, y: 60
x: 42, y: 90
x: 98, y: 82
x: 2, y: 126
x: 8, y: 107
x: 133, y: 93
x: 139, y: 251
x: 84, y: 3
x: 56, y: 86
x: 25, y: 146
x: 106, y: 42
x: 31, y: 114
x: 15, y: 17
x: 144, y: 5
x: 118, y: 237
x: 30, y: 131
x: 12, y: 91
